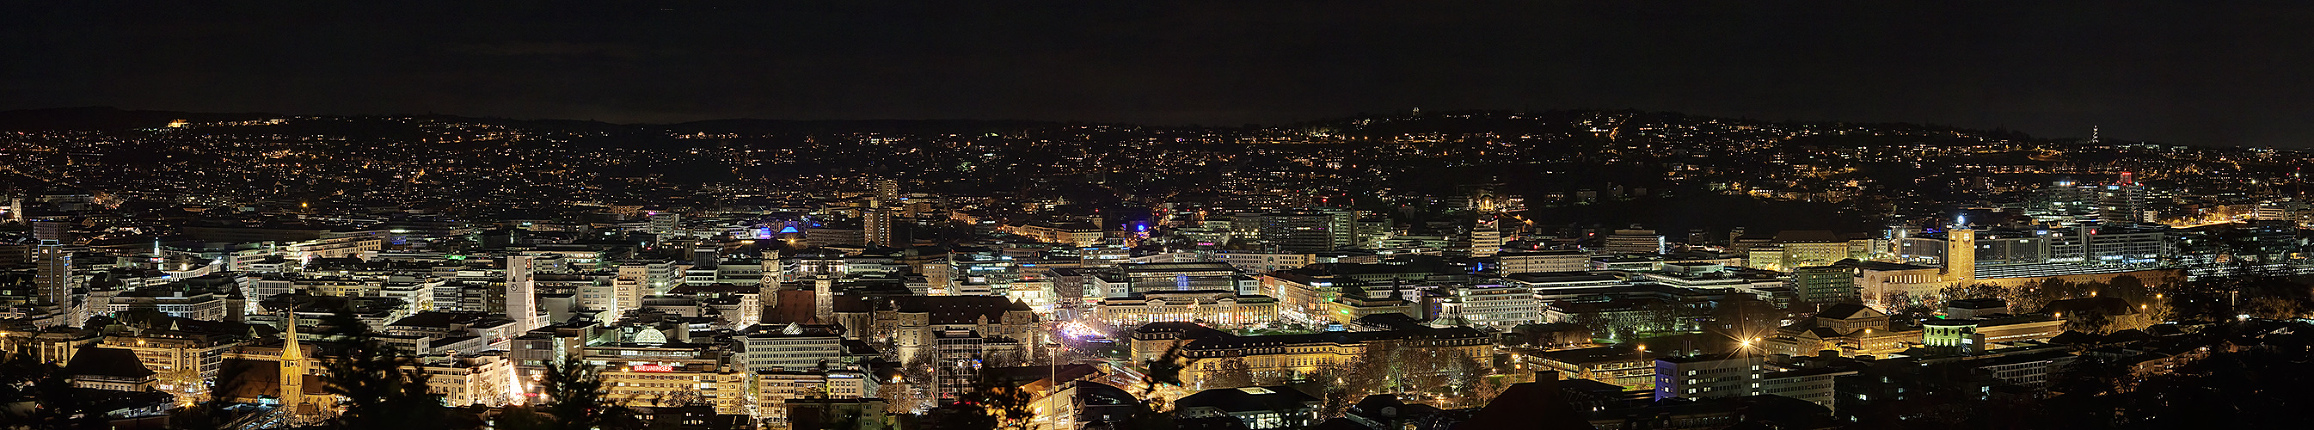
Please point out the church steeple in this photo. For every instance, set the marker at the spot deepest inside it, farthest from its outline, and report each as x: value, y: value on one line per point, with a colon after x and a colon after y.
x: 292, y: 367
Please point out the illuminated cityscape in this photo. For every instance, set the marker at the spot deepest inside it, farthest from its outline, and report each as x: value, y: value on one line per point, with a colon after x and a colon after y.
x: 634, y: 263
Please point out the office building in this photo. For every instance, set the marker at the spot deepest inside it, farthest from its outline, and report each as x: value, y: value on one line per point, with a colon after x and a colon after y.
x: 1634, y: 241
x: 1826, y: 285
x: 1513, y: 262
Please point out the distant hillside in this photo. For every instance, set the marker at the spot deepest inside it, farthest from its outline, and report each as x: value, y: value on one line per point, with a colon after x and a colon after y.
x: 903, y: 126
x: 1580, y: 124
x: 108, y: 118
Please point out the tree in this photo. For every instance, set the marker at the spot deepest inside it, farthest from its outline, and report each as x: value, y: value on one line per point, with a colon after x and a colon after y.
x: 913, y: 394
x: 1374, y: 372
x: 2269, y: 307
x: 378, y: 392
x: 2037, y: 294
x: 1003, y: 404
x: 2128, y: 288
x: 1229, y: 372
x: 215, y: 412
x: 1905, y: 308
x: 55, y: 403
x: 900, y: 397
x: 1331, y: 384
x: 1466, y: 378
x: 2088, y: 321
x: 1164, y: 370
x: 1742, y: 316
x: 1143, y: 417
x: 1490, y: 387
x: 1601, y: 326
x: 1972, y: 291
x: 573, y: 398
x: 2253, y: 292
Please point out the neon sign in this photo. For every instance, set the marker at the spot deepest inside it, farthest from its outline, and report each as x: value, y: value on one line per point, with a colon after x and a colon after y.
x: 652, y: 368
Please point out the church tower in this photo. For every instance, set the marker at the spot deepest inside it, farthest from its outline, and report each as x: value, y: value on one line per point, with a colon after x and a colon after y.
x: 1960, y: 252
x: 823, y: 299
x: 767, y: 292
x: 292, y: 368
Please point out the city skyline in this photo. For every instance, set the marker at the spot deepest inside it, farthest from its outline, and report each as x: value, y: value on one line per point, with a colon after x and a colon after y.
x: 1565, y: 215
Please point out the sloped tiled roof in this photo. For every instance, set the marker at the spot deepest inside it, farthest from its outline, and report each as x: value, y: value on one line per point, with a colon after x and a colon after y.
x: 1845, y: 311
x: 113, y: 362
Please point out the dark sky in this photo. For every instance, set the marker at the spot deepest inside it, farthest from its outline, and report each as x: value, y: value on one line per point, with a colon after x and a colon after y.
x: 2234, y: 72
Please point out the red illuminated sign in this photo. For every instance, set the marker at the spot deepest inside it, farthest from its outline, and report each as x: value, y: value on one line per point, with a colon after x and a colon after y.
x: 654, y: 368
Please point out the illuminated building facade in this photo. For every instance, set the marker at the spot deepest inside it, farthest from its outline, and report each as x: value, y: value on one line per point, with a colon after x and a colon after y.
x: 1512, y: 262
x: 1193, y: 276
x: 1848, y: 329
x: 1825, y: 285
x: 521, y: 297
x: 653, y: 384
x: 910, y: 323
x: 1218, y: 308
x: 183, y: 361
x: 1285, y: 356
x: 53, y: 276
x: 1627, y: 367
x: 1082, y: 235
x: 1960, y: 263
x: 474, y: 379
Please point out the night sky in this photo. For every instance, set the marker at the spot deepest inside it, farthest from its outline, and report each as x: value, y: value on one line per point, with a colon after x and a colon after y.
x: 2223, y: 73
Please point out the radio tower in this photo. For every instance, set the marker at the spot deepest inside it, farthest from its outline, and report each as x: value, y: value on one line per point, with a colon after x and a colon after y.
x: 2092, y: 134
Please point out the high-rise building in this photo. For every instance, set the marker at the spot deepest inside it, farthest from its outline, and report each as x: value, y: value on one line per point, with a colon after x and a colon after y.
x: 52, y: 230
x: 888, y: 191
x: 1485, y: 237
x: 521, y: 294
x: 876, y: 222
x: 876, y: 226
x: 2122, y: 202
x: 54, y: 275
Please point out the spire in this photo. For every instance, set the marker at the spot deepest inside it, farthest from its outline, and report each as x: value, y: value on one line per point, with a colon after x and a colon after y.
x: 289, y: 348
x: 292, y: 393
